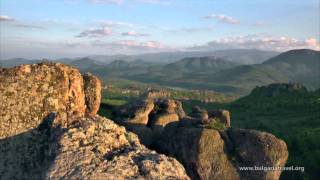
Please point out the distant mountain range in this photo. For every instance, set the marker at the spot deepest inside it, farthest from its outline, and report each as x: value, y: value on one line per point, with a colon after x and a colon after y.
x: 293, y: 66
x: 241, y: 56
x: 220, y: 73
x: 199, y: 64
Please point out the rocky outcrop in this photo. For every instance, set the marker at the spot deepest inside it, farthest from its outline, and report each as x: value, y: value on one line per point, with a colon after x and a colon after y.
x: 28, y: 93
x: 204, y: 142
x: 165, y: 111
x: 156, y: 94
x: 222, y: 115
x: 96, y: 148
x: 201, y: 151
x: 92, y: 91
x: 149, y: 115
x: 254, y: 148
x: 50, y: 130
x: 212, y: 154
x: 277, y: 89
x: 137, y: 113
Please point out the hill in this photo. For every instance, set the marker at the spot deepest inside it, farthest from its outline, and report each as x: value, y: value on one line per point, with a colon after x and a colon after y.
x: 293, y: 66
x: 242, y: 56
x: 199, y: 64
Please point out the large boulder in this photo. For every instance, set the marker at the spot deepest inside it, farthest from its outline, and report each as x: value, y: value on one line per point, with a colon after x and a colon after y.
x: 212, y: 154
x: 197, y: 112
x: 136, y: 113
x: 258, y: 149
x: 165, y: 111
x: 149, y: 115
x: 28, y: 93
x: 222, y: 115
x: 201, y: 151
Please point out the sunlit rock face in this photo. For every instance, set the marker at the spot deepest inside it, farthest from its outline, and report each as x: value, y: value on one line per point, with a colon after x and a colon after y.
x: 49, y: 130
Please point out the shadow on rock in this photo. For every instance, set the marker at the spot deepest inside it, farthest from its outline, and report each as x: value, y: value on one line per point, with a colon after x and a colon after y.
x: 29, y: 155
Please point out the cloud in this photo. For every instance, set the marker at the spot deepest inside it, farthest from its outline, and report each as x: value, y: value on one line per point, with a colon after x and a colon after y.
x: 259, y: 23
x: 29, y: 26
x: 257, y: 42
x: 96, y: 33
x: 134, y: 34
x: 196, y: 29
x: 118, y: 2
x: 311, y: 42
x: 115, y: 23
x: 131, y: 45
x: 223, y: 18
x: 160, y: 2
x: 6, y: 18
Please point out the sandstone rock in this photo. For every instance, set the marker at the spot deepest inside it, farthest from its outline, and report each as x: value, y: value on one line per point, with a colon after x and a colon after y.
x: 48, y: 133
x: 109, y: 153
x: 222, y: 115
x: 90, y: 148
x: 92, y: 89
x: 28, y: 93
x: 156, y: 94
x: 201, y: 151
x: 254, y: 148
x: 211, y: 154
x: 199, y: 113
x: 136, y: 113
x: 165, y: 111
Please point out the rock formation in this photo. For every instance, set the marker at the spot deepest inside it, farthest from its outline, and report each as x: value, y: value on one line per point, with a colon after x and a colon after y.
x: 50, y: 130
x: 212, y: 154
x: 28, y: 93
x: 147, y: 116
x: 277, y: 89
x: 201, y: 151
x: 254, y: 148
x: 203, y: 140
x: 92, y: 91
x: 97, y: 148
x: 222, y: 115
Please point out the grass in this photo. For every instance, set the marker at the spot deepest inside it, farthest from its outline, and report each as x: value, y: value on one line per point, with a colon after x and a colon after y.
x: 215, y: 125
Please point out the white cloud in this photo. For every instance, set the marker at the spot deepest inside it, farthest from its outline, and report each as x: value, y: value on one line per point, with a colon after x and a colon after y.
x: 134, y: 34
x: 223, y: 18
x: 120, y: 2
x: 29, y: 26
x: 107, y: 1
x: 116, y: 23
x: 131, y: 45
x: 6, y: 18
x: 96, y: 33
x: 160, y: 2
x: 259, y: 42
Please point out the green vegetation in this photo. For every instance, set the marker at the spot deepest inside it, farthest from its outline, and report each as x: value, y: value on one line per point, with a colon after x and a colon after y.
x: 293, y: 117
x: 216, y: 125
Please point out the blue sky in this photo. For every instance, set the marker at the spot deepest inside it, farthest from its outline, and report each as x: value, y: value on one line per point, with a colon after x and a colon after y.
x: 72, y: 28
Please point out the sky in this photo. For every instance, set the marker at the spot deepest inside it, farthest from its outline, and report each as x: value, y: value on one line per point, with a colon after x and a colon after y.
x: 75, y: 28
